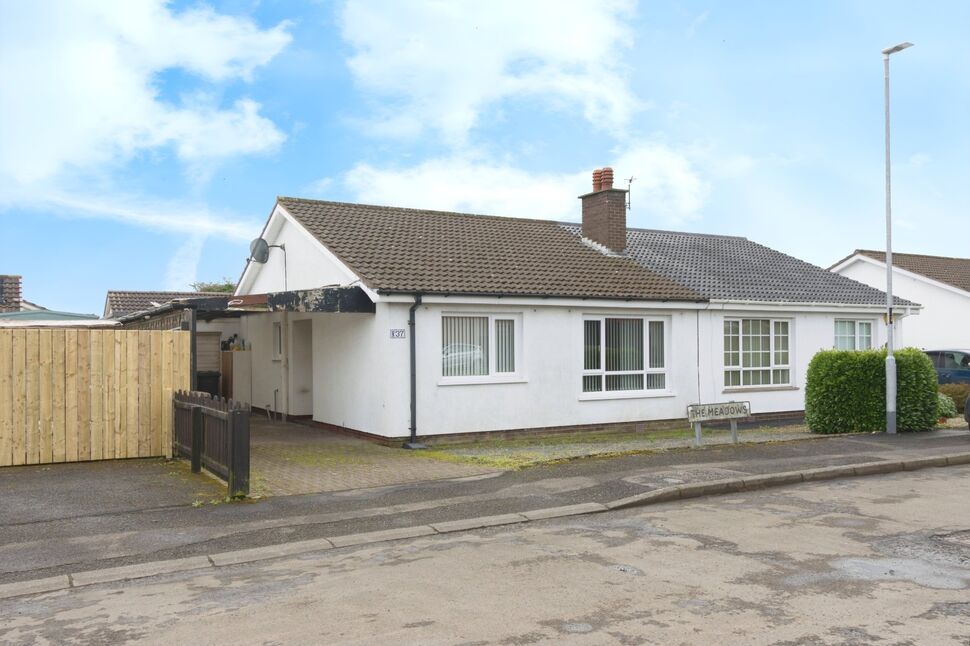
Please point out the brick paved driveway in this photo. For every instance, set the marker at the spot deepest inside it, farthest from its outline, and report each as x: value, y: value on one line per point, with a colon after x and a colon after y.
x: 289, y: 458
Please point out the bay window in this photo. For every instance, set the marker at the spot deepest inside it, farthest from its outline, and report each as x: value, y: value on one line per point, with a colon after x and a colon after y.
x: 624, y: 354
x: 756, y: 352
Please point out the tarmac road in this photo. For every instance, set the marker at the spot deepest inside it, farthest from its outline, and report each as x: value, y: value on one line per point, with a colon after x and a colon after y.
x: 863, y: 560
x: 69, y: 518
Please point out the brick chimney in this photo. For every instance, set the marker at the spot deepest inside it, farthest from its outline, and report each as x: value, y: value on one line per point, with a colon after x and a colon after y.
x: 10, y: 293
x: 604, y: 212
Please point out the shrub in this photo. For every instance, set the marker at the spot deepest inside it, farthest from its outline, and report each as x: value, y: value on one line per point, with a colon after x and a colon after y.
x: 958, y: 393
x: 846, y: 391
x: 946, y: 407
x: 916, y: 388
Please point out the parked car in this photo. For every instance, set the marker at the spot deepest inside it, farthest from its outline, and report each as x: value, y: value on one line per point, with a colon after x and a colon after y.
x: 952, y: 366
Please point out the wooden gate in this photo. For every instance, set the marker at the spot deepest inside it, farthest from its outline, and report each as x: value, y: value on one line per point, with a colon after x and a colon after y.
x: 73, y: 395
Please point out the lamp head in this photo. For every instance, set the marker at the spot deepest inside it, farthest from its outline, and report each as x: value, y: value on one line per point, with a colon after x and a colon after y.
x: 896, y: 48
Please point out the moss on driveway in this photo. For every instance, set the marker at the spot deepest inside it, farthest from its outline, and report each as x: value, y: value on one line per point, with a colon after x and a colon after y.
x: 527, y: 452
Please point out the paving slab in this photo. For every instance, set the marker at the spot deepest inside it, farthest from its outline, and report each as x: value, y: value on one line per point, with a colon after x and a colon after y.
x: 292, y: 459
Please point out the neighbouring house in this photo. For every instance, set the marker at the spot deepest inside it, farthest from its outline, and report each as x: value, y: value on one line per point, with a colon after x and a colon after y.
x: 180, y: 310
x: 940, y: 284
x: 11, y: 295
x: 121, y: 303
x: 15, y: 311
x: 388, y: 321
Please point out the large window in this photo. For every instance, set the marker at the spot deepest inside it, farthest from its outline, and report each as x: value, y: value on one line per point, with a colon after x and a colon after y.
x: 756, y: 352
x: 853, y: 335
x: 479, y: 346
x: 623, y: 354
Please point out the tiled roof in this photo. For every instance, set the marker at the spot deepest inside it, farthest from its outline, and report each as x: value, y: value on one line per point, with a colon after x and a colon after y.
x: 407, y: 250
x: 952, y: 271
x: 737, y: 269
x: 434, y: 252
x: 122, y: 303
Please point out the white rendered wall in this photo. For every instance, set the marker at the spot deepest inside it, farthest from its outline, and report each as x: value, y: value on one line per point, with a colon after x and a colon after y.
x: 267, y: 371
x: 307, y: 265
x: 552, y: 349
x: 551, y: 366
x: 942, y: 324
x: 360, y: 374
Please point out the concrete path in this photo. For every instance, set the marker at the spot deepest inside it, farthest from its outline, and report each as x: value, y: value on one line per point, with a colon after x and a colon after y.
x: 289, y: 459
x: 863, y: 560
x: 94, y: 540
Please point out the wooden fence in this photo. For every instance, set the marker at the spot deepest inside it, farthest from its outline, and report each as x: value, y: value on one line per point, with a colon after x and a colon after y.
x: 71, y: 395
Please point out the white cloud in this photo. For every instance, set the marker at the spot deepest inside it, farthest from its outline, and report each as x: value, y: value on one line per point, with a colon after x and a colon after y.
x: 667, y: 189
x: 78, y: 85
x: 436, y: 65
x: 183, y: 266
x: 156, y: 215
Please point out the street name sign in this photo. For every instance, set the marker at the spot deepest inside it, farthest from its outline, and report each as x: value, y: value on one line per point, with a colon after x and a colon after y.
x: 730, y: 411
x: 714, y: 412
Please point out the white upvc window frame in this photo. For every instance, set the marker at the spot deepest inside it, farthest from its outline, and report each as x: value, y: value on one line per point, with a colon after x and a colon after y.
x: 493, y: 377
x: 276, y: 335
x: 773, y: 366
x: 856, y: 336
x: 647, y: 370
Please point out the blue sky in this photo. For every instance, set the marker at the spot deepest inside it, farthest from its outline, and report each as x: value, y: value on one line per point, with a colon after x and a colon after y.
x: 143, y: 144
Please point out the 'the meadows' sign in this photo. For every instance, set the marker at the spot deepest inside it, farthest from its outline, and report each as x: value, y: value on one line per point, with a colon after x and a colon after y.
x: 713, y: 412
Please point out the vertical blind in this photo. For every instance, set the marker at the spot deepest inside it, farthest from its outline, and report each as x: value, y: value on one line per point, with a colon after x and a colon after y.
x: 464, y: 346
x: 466, y: 343
x: 504, y: 345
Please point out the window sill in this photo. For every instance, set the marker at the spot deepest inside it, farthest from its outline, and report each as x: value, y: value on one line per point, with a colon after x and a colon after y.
x: 475, y: 381
x: 757, y: 389
x: 620, y: 394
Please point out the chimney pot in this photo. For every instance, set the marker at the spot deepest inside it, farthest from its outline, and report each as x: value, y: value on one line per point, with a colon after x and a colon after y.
x: 597, y: 179
x: 607, y: 179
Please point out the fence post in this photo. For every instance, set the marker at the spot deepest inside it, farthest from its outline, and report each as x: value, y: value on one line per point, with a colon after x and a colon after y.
x: 238, y: 453
x: 198, y: 429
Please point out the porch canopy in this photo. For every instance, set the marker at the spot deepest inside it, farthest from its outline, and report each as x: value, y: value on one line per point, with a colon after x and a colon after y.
x: 178, y: 313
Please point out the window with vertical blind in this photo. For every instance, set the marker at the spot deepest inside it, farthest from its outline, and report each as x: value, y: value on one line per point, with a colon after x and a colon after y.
x: 479, y: 347
x: 853, y: 335
x: 757, y: 352
x: 624, y: 354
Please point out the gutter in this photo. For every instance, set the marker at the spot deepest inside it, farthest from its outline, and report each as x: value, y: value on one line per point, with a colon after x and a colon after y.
x: 412, y: 442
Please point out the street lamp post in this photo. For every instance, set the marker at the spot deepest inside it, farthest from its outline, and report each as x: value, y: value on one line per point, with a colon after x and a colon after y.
x: 890, y: 359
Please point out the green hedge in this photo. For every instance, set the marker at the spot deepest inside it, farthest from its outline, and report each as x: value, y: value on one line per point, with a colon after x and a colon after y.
x: 946, y: 407
x: 846, y: 391
x: 958, y: 393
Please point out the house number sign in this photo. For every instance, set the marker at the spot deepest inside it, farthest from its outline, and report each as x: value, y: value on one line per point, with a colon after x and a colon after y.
x: 398, y: 334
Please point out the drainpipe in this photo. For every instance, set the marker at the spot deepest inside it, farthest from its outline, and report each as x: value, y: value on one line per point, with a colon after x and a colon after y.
x: 193, y: 361
x: 285, y: 363
x: 412, y: 442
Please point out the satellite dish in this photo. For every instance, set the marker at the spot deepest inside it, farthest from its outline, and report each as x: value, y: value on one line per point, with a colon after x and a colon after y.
x: 259, y: 250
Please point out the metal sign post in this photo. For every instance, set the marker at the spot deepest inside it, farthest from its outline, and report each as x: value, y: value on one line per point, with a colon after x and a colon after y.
x: 733, y: 411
